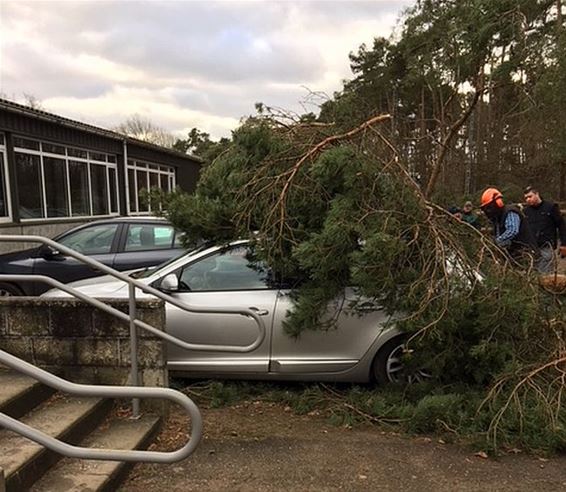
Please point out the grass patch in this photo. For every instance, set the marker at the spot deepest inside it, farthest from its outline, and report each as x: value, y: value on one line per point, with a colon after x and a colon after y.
x: 454, y: 414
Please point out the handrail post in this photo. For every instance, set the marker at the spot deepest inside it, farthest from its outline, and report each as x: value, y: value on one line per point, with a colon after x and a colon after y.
x: 134, y: 373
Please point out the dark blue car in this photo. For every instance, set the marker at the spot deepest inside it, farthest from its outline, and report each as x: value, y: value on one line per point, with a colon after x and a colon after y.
x: 125, y: 243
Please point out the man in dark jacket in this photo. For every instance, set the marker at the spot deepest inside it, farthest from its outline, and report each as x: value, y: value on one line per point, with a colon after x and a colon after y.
x: 547, y: 223
x: 510, y: 228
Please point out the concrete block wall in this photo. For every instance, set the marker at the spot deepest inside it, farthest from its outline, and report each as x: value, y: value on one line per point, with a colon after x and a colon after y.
x: 82, y: 343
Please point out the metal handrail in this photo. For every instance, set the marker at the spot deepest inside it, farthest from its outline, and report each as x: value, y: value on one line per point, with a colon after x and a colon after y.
x: 123, y: 316
x: 105, y: 392
x: 132, y: 285
x: 131, y: 317
x: 151, y: 290
x: 108, y: 391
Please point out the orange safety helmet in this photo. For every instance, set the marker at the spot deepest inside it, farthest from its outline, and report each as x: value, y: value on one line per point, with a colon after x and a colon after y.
x: 492, y: 195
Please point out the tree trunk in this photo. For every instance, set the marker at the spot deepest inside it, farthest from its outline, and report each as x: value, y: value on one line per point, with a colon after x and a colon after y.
x: 447, y: 140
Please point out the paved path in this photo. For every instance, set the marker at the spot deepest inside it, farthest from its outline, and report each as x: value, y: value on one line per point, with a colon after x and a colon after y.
x: 265, y: 447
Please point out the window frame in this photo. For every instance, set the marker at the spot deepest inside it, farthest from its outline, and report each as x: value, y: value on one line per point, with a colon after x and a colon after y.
x: 137, y: 165
x: 6, y: 184
x: 113, y: 244
x: 92, y: 158
x: 44, y: 187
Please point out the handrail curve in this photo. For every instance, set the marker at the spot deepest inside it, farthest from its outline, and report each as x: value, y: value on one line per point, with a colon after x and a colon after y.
x: 150, y: 290
x: 141, y: 324
x: 134, y: 392
x: 105, y: 392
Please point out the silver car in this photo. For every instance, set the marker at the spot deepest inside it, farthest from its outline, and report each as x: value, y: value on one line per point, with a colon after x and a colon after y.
x: 361, y: 348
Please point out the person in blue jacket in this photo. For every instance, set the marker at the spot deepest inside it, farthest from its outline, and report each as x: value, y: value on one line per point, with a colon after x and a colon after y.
x: 510, y: 228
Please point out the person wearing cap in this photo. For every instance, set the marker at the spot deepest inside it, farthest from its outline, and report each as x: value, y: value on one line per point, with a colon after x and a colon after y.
x: 469, y: 216
x: 547, y: 224
x: 456, y: 212
x: 511, y: 229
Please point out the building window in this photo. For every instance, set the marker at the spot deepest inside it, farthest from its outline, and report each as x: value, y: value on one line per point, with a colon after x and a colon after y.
x: 30, y: 190
x: 4, y: 184
x: 80, y: 188
x: 55, y: 176
x: 143, y: 176
x: 58, y: 181
x: 99, y: 186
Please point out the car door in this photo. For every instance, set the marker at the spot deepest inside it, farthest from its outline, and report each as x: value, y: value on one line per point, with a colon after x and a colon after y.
x: 225, y: 279
x: 98, y: 241
x: 333, y: 350
x: 145, y: 245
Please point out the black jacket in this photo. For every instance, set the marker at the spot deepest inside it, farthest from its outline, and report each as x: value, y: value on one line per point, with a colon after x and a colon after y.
x: 545, y: 222
x: 524, y: 241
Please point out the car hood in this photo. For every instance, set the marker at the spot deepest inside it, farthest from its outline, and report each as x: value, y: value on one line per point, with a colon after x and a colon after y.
x: 18, y: 255
x: 105, y: 286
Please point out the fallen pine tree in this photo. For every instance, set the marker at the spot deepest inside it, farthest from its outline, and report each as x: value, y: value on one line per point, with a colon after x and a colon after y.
x: 336, y: 210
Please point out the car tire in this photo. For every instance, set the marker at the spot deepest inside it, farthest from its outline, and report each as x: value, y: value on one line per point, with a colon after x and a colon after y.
x: 388, y: 367
x: 9, y: 290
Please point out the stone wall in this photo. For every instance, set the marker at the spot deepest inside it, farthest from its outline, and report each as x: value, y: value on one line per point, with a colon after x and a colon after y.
x: 82, y: 343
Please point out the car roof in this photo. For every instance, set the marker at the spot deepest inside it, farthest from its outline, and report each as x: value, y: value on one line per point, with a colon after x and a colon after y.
x: 142, y: 219
x: 125, y: 220
x: 130, y: 218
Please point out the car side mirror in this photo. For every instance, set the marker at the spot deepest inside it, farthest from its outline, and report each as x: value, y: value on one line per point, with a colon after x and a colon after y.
x: 49, y: 253
x: 170, y: 283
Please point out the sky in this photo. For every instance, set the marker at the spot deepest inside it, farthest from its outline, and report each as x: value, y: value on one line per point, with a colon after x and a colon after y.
x: 182, y: 64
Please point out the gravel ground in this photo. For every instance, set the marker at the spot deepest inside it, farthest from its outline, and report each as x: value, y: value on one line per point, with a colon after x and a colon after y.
x: 258, y: 446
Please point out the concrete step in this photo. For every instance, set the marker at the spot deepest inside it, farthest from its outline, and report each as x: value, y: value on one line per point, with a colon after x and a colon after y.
x: 68, y: 419
x: 72, y: 475
x: 19, y: 394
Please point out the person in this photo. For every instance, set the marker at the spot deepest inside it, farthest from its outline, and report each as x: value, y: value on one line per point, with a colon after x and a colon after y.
x: 456, y: 212
x: 510, y: 228
x: 469, y: 216
x: 547, y: 224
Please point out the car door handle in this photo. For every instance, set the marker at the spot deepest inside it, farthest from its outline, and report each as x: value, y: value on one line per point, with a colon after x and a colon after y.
x: 259, y: 312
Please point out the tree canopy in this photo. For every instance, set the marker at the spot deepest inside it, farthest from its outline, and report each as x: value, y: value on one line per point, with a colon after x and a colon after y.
x: 467, y: 84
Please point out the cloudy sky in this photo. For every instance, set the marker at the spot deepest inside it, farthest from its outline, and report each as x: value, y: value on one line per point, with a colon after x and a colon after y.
x: 184, y: 63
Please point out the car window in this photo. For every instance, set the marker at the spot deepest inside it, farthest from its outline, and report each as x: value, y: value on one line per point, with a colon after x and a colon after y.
x: 227, y: 270
x: 144, y: 237
x: 91, y: 240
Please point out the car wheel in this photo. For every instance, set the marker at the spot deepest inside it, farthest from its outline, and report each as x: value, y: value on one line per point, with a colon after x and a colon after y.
x: 388, y: 366
x: 8, y: 290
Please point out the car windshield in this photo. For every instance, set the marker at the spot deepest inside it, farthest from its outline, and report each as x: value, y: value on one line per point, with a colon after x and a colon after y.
x: 149, y: 271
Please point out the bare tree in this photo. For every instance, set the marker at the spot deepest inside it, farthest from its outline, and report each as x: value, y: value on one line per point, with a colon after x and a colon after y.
x: 33, y: 101
x: 137, y: 126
